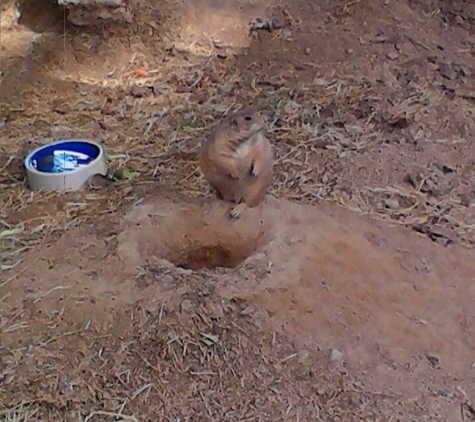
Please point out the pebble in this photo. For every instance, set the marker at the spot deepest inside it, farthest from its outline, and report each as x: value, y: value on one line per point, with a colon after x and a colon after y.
x: 335, y: 355
x: 392, y: 56
x: 186, y: 306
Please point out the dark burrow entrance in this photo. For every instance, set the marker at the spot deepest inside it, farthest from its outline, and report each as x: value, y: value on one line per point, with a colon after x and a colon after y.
x: 191, y: 236
x: 199, y: 257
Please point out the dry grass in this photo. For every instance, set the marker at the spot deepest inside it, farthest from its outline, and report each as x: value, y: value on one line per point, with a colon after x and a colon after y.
x: 205, y: 361
x: 153, y: 141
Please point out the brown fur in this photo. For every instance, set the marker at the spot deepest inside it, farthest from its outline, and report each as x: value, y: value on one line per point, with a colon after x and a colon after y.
x: 237, y: 160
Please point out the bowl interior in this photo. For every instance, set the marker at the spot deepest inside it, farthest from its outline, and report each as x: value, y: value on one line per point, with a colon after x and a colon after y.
x: 63, y: 156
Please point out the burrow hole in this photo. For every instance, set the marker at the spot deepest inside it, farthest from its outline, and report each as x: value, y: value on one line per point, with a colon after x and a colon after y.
x: 209, y: 256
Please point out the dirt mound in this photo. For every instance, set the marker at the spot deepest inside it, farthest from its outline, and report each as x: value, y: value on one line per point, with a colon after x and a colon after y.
x: 323, y: 278
x: 334, y: 281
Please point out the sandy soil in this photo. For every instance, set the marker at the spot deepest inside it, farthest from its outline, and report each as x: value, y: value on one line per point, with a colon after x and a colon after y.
x: 347, y: 296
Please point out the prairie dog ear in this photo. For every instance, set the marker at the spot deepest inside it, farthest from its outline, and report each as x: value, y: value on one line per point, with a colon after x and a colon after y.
x: 233, y: 121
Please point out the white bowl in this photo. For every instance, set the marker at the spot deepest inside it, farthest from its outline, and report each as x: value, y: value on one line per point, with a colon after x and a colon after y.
x: 65, y: 165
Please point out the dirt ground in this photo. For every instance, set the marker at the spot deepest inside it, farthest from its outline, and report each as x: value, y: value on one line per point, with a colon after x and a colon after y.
x: 347, y: 296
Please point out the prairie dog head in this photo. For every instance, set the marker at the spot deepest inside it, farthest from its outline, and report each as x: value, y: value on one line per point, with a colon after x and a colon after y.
x: 247, y: 122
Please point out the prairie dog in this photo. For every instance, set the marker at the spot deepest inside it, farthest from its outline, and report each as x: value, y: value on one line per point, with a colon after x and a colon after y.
x: 237, y: 160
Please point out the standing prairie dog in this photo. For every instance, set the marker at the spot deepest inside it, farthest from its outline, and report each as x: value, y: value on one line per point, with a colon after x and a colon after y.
x: 237, y: 160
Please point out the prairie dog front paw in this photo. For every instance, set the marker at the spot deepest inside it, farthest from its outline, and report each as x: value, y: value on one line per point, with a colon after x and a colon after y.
x: 256, y: 168
x: 236, y: 211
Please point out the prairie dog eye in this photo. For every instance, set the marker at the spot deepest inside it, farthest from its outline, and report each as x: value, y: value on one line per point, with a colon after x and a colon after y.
x: 247, y: 118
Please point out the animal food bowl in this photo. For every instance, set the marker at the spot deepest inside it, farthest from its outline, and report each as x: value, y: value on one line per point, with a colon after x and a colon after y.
x: 65, y: 165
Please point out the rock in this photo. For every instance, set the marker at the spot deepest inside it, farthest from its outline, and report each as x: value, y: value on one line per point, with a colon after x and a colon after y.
x: 392, y: 204
x: 335, y: 355
x: 392, y: 55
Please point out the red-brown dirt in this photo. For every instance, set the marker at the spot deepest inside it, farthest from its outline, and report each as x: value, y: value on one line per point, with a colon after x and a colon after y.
x: 347, y: 296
